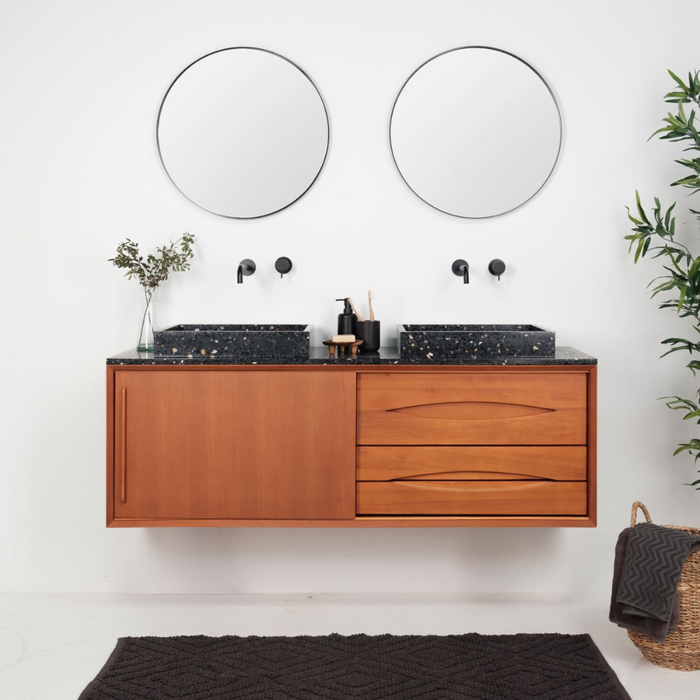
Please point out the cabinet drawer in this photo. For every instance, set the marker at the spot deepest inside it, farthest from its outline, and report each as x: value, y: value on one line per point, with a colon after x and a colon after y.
x: 471, y: 498
x: 471, y: 463
x: 474, y: 408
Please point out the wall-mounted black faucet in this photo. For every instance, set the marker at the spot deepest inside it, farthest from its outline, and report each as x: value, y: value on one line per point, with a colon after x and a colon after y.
x: 283, y: 265
x: 497, y: 268
x: 461, y: 269
x: 245, y: 267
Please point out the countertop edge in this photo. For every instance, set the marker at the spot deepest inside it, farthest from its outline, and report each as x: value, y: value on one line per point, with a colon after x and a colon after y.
x: 564, y: 355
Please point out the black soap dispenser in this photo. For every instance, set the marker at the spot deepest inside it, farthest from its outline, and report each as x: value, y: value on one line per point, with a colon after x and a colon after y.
x: 347, y: 322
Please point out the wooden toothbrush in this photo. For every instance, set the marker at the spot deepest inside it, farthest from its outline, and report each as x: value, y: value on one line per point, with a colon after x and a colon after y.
x: 371, y: 310
x: 352, y: 306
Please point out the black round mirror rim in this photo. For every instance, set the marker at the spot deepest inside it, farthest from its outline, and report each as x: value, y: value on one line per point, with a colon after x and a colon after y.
x: 304, y: 73
x: 554, y: 99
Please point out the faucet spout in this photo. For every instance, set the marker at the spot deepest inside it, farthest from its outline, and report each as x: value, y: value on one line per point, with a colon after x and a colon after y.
x: 245, y: 267
x: 461, y: 269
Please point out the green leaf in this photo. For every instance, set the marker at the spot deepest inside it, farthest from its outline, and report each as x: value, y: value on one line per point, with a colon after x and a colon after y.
x: 640, y: 210
x: 683, y: 86
x: 661, y: 130
x: 632, y: 219
x: 667, y: 218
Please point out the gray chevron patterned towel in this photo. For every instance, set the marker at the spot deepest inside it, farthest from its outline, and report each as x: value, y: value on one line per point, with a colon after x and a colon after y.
x: 648, y: 563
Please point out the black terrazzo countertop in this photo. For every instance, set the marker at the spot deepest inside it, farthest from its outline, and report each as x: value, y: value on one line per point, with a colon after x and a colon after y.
x: 385, y: 356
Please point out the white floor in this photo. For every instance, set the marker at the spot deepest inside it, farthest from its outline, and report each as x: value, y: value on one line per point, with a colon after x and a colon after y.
x: 51, y: 646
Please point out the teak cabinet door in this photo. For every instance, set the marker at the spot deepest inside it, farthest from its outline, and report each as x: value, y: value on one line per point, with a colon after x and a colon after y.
x: 243, y: 444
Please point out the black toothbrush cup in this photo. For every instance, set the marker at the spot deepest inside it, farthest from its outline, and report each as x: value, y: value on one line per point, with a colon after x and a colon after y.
x: 369, y: 333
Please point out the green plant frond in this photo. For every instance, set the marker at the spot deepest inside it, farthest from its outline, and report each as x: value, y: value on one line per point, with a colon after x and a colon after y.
x: 654, y: 237
x: 693, y: 445
x: 667, y: 218
x: 679, y: 348
x: 693, y: 366
x: 693, y: 164
x: 661, y: 288
x: 687, y: 181
x: 661, y: 130
x: 683, y: 86
x: 642, y: 214
x: 676, y: 97
x: 675, y: 259
x: 632, y: 219
x: 681, y: 341
x: 154, y: 269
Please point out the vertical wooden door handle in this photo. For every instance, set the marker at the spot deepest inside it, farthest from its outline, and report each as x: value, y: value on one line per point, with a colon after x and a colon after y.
x: 123, y: 488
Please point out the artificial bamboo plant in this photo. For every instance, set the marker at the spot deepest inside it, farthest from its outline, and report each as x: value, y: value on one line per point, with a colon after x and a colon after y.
x: 680, y: 286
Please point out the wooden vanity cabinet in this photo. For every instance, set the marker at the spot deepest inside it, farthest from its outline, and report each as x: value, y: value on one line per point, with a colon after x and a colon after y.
x: 351, y: 446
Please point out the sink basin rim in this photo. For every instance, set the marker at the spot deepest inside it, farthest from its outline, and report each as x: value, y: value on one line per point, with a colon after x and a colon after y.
x: 238, y: 328
x: 474, y: 341
x: 472, y: 328
x: 234, y: 340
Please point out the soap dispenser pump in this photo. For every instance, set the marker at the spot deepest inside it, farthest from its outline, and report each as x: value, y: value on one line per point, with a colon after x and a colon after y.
x: 347, y: 322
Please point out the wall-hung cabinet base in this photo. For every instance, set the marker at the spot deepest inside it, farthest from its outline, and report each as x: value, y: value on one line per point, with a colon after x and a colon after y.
x: 363, y: 522
x: 351, y: 446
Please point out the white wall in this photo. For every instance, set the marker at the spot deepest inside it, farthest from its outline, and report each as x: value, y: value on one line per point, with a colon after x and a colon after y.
x: 81, y: 85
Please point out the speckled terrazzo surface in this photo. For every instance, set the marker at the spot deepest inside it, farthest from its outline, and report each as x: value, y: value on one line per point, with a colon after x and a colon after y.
x: 385, y: 356
x: 233, y: 341
x: 479, y: 341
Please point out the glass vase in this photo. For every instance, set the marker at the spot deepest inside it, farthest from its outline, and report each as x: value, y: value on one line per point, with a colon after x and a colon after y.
x: 146, y: 343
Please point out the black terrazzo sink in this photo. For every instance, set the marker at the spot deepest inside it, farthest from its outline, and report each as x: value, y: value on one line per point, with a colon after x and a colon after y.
x: 474, y: 341
x: 234, y: 341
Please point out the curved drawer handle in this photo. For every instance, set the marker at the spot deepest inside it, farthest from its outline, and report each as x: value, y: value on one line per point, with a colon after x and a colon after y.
x: 471, y: 410
x: 480, y: 476
x: 123, y: 489
x: 471, y: 486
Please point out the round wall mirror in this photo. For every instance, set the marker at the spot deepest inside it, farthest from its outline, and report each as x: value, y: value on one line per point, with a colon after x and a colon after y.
x: 243, y: 132
x: 475, y: 132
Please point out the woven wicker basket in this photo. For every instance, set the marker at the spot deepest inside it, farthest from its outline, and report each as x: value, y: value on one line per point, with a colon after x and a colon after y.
x: 681, y: 650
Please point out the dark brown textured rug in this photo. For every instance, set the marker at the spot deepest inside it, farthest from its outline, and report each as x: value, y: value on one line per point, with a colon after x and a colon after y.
x: 459, y: 667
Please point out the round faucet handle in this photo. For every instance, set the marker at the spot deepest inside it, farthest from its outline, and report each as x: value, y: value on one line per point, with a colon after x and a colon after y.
x: 458, y: 267
x: 497, y: 267
x: 283, y: 265
x: 248, y: 267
